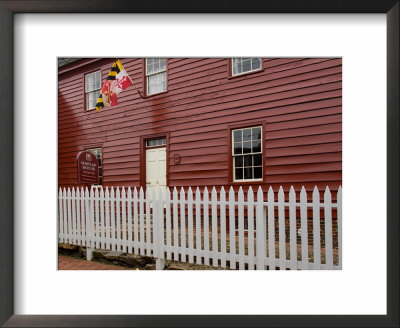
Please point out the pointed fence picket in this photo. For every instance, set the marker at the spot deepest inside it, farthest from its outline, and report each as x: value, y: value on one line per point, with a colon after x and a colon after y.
x: 250, y: 228
x: 141, y: 213
x: 206, y: 229
x: 223, y: 227
x: 135, y: 222
x: 198, y: 226
x: 190, y: 224
x: 232, y: 229
x: 242, y: 233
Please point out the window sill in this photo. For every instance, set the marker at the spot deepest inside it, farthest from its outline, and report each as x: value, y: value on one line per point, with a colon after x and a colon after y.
x: 247, y: 183
x: 245, y: 74
x: 155, y: 94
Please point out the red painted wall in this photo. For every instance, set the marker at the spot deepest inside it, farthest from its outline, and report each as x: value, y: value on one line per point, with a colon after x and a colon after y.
x: 298, y: 101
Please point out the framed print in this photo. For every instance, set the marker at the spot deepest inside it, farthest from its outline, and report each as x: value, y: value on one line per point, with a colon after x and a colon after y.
x: 34, y: 293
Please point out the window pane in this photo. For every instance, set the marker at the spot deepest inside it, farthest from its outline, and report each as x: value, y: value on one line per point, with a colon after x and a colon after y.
x: 236, y: 66
x: 246, y: 134
x: 163, y: 64
x: 237, y: 148
x: 247, y: 65
x: 149, y: 67
x: 238, y: 161
x: 90, y: 100
x: 98, y: 80
x: 257, y: 160
x: 257, y: 172
x: 92, y: 81
x: 248, y: 160
x: 257, y: 146
x: 246, y: 147
x: 238, y: 174
x: 248, y: 174
x: 256, y: 133
x: 237, y: 136
x: 157, y: 83
x: 256, y: 63
x: 87, y: 81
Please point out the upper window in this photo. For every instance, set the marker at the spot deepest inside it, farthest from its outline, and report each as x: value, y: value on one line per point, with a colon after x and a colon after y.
x: 92, y: 89
x: 97, y: 153
x: 156, y: 75
x: 245, y: 65
x: 247, y: 154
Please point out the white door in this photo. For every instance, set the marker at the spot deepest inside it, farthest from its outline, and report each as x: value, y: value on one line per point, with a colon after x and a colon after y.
x: 156, y: 169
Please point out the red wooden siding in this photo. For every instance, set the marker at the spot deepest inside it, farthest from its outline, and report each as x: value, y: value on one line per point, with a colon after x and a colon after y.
x: 298, y: 100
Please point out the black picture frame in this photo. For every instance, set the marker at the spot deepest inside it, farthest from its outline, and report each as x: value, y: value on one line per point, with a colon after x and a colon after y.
x: 7, y: 11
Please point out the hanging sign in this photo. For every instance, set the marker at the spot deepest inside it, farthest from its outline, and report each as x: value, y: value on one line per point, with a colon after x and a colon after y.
x: 88, y: 168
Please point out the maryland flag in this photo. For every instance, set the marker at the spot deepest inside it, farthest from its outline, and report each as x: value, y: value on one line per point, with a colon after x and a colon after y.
x: 117, y: 80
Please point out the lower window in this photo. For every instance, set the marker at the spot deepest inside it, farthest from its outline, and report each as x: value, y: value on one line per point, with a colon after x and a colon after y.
x: 247, y: 154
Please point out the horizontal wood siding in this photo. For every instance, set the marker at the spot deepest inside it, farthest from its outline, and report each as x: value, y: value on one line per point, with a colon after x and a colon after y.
x: 298, y: 100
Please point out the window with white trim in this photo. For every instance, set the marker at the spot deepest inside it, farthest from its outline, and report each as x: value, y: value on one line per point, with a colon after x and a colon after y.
x: 245, y: 65
x: 247, y: 154
x: 156, y: 75
x: 97, y: 153
x: 92, y: 89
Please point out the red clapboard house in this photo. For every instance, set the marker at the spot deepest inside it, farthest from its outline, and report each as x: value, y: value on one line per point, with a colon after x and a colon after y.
x: 205, y: 122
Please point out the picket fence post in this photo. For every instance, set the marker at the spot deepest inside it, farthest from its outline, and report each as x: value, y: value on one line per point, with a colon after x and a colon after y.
x: 190, y: 224
x: 168, y: 218
x: 130, y: 242
x: 316, y: 228
x: 282, y: 232
x: 198, y: 225
x: 241, y: 227
x: 89, y: 224
x: 250, y: 227
x: 292, y: 229
x: 260, y: 231
x: 328, y: 229
x: 158, y: 230
x: 223, y: 227
x: 183, y: 224
x: 83, y: 218
x: 206, y: 228
x: 304, y: 230
x: 271, y: 229
x: 60, y: 217
x: 232, y: 237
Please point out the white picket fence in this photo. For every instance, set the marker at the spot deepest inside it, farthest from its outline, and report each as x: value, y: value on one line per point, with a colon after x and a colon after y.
x: 179, y: 228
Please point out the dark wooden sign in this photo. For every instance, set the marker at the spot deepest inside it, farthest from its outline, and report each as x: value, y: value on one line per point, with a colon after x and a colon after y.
x: 88, y: 168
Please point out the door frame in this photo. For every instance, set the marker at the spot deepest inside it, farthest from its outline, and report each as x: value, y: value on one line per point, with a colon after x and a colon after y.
x: 142, y: 165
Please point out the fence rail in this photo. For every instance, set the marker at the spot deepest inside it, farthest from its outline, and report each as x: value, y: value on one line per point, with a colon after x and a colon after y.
x: 216, y: 228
